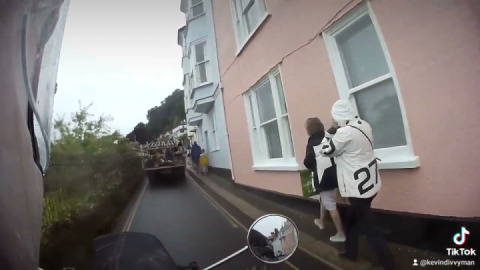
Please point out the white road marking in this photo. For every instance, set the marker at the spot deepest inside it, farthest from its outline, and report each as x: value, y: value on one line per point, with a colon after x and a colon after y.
x: 131, y: 217
x: 235, y: 223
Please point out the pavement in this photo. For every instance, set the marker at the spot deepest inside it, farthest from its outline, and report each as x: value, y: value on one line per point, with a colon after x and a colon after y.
x: 191, y: 226
x: 315, y: 250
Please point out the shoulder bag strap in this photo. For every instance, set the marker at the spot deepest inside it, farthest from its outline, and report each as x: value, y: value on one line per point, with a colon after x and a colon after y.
x: 370, y: 141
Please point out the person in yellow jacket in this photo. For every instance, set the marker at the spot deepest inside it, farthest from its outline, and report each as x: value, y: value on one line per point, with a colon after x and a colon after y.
x: 204, y: 162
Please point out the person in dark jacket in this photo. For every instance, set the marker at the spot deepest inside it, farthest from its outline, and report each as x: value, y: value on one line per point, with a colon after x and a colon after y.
x: 169, y: 154
x: 328, y: 183
x: 195, y: 153
x: 259, y: 245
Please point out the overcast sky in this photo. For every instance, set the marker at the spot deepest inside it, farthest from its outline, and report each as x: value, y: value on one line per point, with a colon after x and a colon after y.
x: 121, y: 55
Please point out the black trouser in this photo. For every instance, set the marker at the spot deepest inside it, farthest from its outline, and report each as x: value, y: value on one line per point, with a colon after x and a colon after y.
x: 360, y: 219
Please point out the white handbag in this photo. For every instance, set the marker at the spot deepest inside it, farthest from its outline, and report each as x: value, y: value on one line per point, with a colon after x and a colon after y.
x: 323, y: 162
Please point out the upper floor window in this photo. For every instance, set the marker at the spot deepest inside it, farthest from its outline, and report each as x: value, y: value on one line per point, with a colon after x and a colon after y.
x: 365, y: 77
x: 248, y: 14
x: 201, y: 63
x: 196, y: 8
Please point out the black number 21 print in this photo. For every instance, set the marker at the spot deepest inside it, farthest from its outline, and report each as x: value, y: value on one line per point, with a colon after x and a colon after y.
x: 361, y: 187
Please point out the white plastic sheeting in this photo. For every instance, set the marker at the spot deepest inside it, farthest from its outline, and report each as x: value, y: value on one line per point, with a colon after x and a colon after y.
x: 47, y: 85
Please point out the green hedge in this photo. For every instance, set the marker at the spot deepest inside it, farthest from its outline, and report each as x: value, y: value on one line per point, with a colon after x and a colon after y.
x: 95, y: 194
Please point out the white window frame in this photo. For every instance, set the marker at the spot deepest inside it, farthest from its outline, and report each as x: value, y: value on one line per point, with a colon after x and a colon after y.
x: 392, y: 157
x: 196, y: 76
x: 258, y: 140
x: 190, y: 10
x: 239, y: 19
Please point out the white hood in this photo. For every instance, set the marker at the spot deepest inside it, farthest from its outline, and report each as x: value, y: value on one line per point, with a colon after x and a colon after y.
x: 342, y: 112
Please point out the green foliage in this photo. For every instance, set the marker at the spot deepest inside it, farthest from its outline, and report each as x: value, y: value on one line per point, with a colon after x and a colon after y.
x: 58, y: 207
x: 85, y: 152
x: 90, y: 167
x: 161, y: 119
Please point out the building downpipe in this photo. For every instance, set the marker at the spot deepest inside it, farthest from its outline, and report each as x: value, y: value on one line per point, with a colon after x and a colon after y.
x: 227, y: 133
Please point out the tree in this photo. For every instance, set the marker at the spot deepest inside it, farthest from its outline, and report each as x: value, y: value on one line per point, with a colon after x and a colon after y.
x: 163, y: 118
x: 140, y: 134
x: 81, y: 134
x: 86, y: 147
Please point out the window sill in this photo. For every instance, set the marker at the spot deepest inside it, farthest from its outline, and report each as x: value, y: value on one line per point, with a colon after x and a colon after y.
x: 402, y: 162
x: 193, y: 18
x: 201, y: 85
x: 284, y: 165
x: 247, y: 40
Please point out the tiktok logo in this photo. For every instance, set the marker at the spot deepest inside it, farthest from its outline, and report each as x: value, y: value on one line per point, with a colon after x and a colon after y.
x: 461, y: 237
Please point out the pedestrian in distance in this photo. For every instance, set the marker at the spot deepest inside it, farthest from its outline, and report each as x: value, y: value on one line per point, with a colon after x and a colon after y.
x: 204, y: 162
x: 195, y: 152
x: 351, y: 143
x: 325, y: 185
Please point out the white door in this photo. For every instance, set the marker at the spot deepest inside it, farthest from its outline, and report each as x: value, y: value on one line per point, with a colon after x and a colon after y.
x: 205, y: 139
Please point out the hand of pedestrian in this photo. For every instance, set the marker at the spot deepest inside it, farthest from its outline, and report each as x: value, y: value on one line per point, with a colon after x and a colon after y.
x: 333, y: 127
x: 334, y: 124
x: 336, y: 193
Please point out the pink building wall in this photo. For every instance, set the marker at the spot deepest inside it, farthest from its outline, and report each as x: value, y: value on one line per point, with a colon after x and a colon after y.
x: 290, y: 240
x: 435, y: 51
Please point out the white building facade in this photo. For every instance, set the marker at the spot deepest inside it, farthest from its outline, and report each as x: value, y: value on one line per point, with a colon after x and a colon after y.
x: 184, y: 129
x: 203, y: 90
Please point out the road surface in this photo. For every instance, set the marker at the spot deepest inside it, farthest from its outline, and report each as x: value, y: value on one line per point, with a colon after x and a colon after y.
x: 192, y: 228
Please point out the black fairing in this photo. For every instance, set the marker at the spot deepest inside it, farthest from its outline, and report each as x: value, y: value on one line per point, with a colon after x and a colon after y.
x: 131, y: 251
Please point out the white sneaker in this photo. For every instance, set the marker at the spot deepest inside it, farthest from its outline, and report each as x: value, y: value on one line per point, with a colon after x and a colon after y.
x: 319, y: 224
x: 339, y: 237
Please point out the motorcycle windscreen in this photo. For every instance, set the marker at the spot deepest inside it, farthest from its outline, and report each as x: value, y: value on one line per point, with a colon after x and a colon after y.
x: 131, y: 251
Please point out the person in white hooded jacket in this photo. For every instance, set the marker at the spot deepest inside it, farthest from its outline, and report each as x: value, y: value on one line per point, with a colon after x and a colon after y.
x: 358, y: 178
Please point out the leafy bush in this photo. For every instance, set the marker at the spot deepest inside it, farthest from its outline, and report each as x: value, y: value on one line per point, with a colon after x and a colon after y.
x: 92, y: 176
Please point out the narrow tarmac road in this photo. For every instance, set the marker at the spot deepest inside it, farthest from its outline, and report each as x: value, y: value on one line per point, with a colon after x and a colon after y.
x: 192, y: 228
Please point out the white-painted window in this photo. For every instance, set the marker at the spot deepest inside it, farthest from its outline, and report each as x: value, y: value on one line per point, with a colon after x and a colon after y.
x: 196, y: 8
x: 270, y: 133
x: 200, y: 71
x: 248, y: 15
x: 364, y: 75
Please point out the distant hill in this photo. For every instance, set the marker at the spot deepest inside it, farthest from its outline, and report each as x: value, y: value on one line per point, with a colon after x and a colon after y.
x: 161, y: 119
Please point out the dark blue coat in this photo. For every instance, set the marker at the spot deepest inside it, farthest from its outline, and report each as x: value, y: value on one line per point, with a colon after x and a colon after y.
x: 195, y: 152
